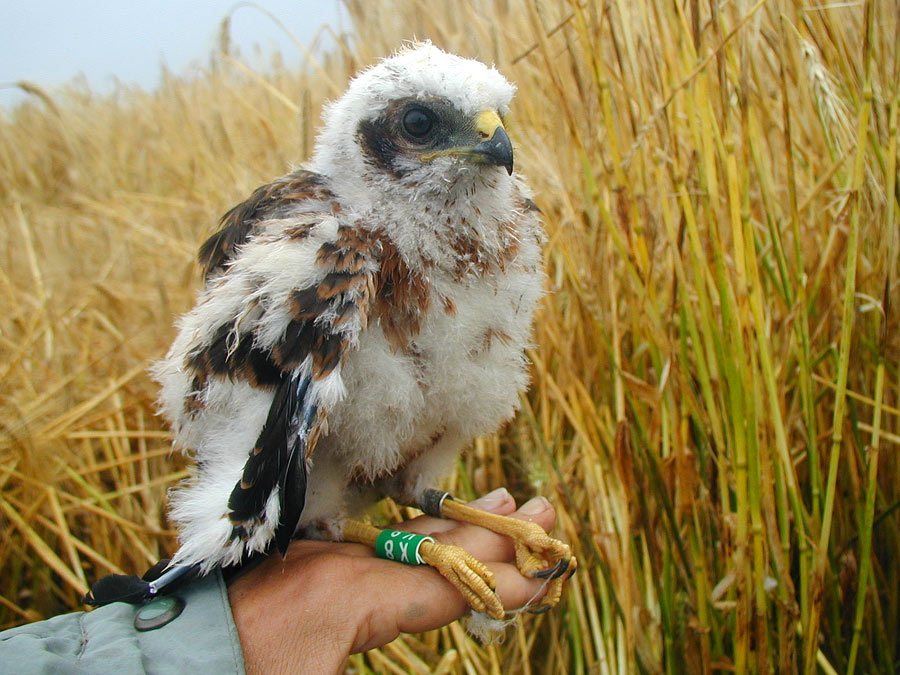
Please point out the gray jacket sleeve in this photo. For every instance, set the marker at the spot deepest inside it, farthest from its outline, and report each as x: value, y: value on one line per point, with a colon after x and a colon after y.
x: 201, y: 639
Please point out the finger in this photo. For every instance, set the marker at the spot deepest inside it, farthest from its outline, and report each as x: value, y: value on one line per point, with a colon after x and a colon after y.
x: 428, y: 601
x: 491, y: 547
x: 537, y: 510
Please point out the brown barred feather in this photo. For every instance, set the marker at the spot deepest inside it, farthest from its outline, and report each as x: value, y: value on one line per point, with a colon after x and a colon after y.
x: 328, y: 353
x: 336, y: 283
x: 300, y: 338
x: 401, y: 297
x: 340, y: 296
x: 230, y: 354
x: 272, y: 200
x: 306, y: 303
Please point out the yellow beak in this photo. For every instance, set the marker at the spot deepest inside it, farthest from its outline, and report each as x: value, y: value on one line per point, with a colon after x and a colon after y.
x: 487, y: 122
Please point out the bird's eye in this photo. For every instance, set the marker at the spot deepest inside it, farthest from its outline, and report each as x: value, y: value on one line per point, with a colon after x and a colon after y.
x: 417, y: 122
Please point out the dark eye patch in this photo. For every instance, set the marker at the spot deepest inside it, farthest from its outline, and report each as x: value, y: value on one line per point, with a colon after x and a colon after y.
x: 378, y: 144
x: 409, y: 126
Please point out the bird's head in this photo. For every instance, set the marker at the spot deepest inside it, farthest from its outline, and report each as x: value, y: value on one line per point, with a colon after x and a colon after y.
x: 421, y: 120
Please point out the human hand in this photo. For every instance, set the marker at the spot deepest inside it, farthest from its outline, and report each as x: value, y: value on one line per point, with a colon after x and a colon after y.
x: 324, y: 601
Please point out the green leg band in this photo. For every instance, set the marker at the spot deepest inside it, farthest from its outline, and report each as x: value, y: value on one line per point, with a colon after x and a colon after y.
x: 400, y: 546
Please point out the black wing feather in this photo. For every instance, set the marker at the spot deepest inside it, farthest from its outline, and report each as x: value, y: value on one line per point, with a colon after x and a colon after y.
x: 292, y: 484
x: 278, y: 459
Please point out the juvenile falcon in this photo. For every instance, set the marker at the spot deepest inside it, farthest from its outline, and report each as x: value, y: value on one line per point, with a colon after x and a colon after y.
x: 363, y: 319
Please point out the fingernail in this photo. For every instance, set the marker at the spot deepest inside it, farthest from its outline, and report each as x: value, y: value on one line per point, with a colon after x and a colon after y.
x: 491, y: 499
x: 534, y: 506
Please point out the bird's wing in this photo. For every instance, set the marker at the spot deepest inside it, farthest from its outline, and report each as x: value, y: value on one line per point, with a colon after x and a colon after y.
x: 272, y: 200
x: 289, y: 290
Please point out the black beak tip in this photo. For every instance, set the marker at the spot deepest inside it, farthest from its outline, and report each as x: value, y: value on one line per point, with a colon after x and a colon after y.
x: 497, y: 150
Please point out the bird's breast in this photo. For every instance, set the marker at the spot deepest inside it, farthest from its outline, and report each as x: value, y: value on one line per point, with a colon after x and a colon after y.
x: 456, y: 376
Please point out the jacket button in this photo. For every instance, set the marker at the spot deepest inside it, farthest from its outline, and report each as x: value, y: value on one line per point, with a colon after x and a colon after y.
x: 158, y: 613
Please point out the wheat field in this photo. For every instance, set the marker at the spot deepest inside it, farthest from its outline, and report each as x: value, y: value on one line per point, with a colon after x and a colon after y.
x: 715, y: 408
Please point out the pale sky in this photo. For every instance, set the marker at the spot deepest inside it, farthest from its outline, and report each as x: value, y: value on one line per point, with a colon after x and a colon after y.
x: 49, y: 42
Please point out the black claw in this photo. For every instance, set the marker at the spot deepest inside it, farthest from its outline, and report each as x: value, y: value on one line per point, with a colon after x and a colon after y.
x: 540, y: 609
x: 554, y: 572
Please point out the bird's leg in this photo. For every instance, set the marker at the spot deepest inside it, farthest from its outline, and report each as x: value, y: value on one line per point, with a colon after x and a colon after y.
x: 538, y: 555
x: 471, y: 577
